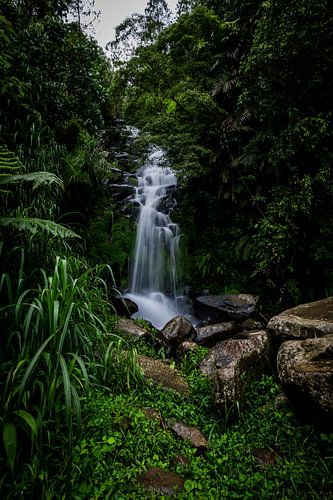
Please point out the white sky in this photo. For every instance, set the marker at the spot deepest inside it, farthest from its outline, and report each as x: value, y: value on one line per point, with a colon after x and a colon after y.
x: 113, y: 12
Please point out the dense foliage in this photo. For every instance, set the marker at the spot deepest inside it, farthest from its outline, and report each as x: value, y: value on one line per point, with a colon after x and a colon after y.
x: 240, y: 93
x: 57, y: 336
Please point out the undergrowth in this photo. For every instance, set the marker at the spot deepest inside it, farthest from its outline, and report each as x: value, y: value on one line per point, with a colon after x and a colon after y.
x: 120, y: 442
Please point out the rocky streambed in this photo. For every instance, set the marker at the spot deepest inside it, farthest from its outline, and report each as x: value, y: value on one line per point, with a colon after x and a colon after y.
x: 297, y: 345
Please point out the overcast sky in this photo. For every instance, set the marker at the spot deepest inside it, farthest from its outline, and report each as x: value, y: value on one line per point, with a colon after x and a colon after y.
x: 115, y: 11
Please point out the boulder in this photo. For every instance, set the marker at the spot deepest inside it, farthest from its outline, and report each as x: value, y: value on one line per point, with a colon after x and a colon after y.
x: 216, y: 308
x: 211, y: 334
x: 207, y: 365
x: 161, y: 480
x: 129, y: 327
x: 163, y: 374
x: 305, y: 369
x: 227, y: 362
x: 175, y: 331
x: 252, y: 324
x: 314, y: 319
x: 124, y: 306
x: 193, y: 434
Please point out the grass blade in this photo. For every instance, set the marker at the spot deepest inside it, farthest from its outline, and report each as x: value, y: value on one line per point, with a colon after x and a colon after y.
x: 10, y: 442
x: 32, y: 366
x: 29, y: 420
x: 68, y: 400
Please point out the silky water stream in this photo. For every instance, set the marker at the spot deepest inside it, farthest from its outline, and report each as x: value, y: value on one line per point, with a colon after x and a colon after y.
x: 154, y: 275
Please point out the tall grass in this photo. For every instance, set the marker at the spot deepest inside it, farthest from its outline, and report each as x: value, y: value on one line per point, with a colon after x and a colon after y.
x: 57, y: 342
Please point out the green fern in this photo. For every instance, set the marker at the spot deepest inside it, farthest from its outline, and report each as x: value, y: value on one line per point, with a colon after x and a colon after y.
x: 34, y: 225
x: 11, y: 172
x: 37, y: 178
x: 9, y: 165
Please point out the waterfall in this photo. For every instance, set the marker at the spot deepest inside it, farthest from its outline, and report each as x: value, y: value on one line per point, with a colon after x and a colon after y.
x: 154, y: 279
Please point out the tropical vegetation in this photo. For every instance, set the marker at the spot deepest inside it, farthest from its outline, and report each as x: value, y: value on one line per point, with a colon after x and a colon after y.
x: 240, y: 96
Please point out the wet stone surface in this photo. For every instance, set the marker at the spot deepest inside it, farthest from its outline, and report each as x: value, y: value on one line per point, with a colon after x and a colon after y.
x: 161, y: 480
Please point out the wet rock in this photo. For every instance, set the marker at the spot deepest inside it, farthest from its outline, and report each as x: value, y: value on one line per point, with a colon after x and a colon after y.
x: 248, y: 353
x: 252, y: 324
x: 305, y: 369
x: 124, y: 307
x: 218, y: 308
x: 186, y: 347
x: 117, y: 172
x: 161, y: 480
x: 163, y: 374
x: 207, y: 365
x: 264, y: 456
x: 193, y: 434
x: 122, y: 191
x: 176, y: 330
x: 191, y: 292
x: 130, y: 327
x: 122, y: 157
x: 211, y: 334
x: 314, y: 319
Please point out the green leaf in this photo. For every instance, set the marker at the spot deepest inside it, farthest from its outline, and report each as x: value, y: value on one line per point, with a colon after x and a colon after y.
x: 29, y: 419
x: 10, y: 442
x: 68, y: 399
x: 33, y: 225
x: 32, y: 367
x: 37, y: 178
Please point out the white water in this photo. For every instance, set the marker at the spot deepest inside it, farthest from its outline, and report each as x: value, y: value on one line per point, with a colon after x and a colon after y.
x: 154, y: 275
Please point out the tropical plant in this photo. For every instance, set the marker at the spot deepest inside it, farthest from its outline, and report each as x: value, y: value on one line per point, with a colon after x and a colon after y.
x: 52, y: 351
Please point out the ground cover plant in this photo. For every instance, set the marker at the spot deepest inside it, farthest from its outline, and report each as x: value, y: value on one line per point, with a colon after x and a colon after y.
x: 120, y: 442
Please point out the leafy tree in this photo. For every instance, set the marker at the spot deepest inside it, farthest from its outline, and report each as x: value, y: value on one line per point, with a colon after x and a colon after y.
x: 240, y: 95
x: 158, y: 16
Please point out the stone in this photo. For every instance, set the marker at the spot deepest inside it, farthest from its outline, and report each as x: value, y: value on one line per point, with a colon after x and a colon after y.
x: 186, y: 347
x: 314, y: 319
x: 193, y: 434
x: 211, y: 334
x: 122, y: 190
x: 207, y: 365
x: 123, y: 306
x: 305, y: 370
x: 176, y: 330
x: 122, y: 157
x: 161, y: 480
x: 264, y: 456
x: 247, y: 353
x: 216, y: 308
x: 163, y: 374
x: 252, y: 324
x: 129, y: 327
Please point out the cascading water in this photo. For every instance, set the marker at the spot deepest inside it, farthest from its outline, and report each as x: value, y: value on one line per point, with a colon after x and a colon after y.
x: 154, y: 275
